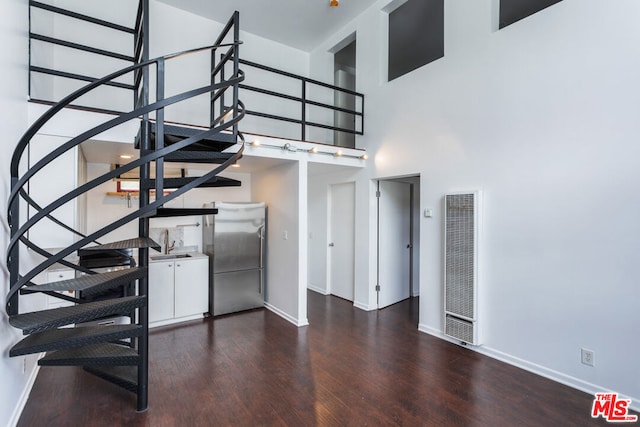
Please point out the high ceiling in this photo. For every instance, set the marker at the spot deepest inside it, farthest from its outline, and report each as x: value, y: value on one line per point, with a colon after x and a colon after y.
x: 302, y: 24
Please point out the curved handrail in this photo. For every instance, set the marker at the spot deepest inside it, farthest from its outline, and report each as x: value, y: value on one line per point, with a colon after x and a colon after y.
x: 18, y: 183
x: 48, y: 115
x: 147, y: 209
x: 134, y: 215
x: 110, y: 124
x: 25, y: 196
x: 51, y: 112
x: 110, y: 175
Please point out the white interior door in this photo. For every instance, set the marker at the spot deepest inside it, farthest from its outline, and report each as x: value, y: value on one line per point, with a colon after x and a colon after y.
x: 341, y: 240
x: 394, y: 234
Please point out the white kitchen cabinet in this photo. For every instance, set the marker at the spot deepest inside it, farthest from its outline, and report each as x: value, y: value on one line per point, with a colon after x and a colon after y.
x: 161, y: 290
x: 192, y: 287
x: 178, y: 289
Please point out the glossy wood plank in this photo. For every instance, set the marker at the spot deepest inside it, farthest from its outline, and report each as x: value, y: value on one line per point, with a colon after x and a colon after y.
x: 349, y: 367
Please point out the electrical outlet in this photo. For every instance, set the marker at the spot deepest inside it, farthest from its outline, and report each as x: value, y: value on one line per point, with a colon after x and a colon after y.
x: 588, y: 357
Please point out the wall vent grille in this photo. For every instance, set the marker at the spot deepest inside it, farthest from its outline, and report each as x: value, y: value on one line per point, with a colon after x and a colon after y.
x: 460, y: 256
x: 460, y: 329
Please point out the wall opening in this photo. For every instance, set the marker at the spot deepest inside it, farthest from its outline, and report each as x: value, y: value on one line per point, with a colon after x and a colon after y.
x: 514, y: 10
x: 344, y: 68
x: 416, y: 36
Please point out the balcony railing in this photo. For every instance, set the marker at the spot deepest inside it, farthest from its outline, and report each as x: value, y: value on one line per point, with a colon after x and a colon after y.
x: 297, y: 107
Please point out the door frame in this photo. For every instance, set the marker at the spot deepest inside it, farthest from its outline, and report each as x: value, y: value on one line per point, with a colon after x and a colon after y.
x: 414, y: 180
x: 330, y: 222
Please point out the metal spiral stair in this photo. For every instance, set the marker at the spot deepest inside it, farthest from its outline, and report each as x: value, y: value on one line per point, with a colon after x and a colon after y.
x: 116, y: 353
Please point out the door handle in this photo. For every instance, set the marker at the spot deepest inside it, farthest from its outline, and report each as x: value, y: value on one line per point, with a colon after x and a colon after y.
x: 331, y: 245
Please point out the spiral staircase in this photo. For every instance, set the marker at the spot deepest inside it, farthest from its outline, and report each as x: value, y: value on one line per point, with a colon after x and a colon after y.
x: 118, y: 353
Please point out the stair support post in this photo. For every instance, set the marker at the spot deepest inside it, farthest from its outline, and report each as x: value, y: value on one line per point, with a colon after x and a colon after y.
x: 143, y: 228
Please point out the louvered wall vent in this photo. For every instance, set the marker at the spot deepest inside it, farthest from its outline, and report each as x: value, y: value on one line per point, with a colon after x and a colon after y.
x: 461, y: 266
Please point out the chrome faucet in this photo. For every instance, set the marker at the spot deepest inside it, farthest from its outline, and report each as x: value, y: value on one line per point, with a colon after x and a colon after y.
x: 168, y: 248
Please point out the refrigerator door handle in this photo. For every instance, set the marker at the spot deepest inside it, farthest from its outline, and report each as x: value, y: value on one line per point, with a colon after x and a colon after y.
x: 261, y: 237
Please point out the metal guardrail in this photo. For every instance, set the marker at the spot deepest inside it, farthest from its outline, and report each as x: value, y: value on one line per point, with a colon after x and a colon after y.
x: 305, y: 101
x: 140, y: 46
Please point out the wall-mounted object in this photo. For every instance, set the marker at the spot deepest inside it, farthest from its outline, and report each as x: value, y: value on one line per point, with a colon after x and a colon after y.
x: 462, y: 226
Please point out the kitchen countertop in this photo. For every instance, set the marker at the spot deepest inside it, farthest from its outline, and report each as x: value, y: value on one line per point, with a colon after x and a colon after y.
x: 191, y: 255
x: 177, y: 256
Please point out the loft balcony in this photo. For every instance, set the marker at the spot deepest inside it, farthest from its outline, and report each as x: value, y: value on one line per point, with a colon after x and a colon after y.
x: 278, y: 104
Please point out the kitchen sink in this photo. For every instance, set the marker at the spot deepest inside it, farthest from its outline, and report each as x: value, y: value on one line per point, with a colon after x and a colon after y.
x: 169, y: 256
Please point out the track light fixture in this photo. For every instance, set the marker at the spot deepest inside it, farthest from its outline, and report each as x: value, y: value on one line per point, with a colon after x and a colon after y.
x: 292, y: 148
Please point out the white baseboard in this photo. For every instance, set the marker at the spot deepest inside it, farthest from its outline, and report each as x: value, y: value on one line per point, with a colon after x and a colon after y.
x: 175, y: 320
x: 429, y: 330
x: 286, y: 316
x: 15, y: 417
x: 317, y: 289
x: 362, y: 306
x: 551, y: 374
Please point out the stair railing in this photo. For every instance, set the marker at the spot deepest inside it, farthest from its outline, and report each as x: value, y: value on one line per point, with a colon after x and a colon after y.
x: 18, y: 183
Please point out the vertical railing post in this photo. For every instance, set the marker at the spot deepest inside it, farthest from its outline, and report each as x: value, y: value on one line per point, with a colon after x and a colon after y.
x: 29, y: 59
x: 236, y: 68
x: 159, y: 129
x: 143, y: 227
x: 362, y: 114
x: 13, y: 261
x: 222, y: 77
x: 137, y: 58
x: 303, y: 116
x: 212, y: 103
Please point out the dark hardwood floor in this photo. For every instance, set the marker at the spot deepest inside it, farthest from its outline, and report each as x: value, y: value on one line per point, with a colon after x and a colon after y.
x: 349, y: 367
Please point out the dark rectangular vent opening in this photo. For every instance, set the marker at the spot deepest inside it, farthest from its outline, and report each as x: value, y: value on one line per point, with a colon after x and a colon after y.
x: 514, y: 10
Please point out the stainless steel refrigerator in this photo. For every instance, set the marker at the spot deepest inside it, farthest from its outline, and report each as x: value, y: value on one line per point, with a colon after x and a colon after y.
x: 235, y: 240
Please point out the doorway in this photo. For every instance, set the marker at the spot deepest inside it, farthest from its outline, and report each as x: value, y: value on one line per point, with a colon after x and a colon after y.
x: 344, y: 65
x: 398, y: 240
x: 341, y: 250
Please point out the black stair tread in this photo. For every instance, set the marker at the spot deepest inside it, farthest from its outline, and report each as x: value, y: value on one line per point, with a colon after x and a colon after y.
x: 198, y: 157
x: 123, y: 376
x: 39, y: 321
x: 56, y: 339
x: 216, y: 181
x: 168, y: 212
x: 138, y: 242
x: 91, y: 284
x: 94, y: 354
x: 173, y: 134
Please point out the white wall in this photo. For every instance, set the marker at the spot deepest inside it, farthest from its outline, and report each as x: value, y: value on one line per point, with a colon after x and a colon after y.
x: 122, y: 12
x: 280, y: 187
x: 172, y: 30
x: 542, y: 116
x: 13, y: 119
